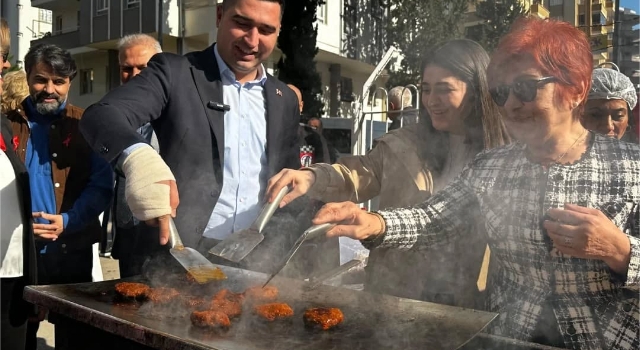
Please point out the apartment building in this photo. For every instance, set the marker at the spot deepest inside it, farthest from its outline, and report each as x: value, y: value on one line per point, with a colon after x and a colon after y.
x: 599, y: 25
x: 628, y: 41
x: 350, y: 40
x: 26, y: 23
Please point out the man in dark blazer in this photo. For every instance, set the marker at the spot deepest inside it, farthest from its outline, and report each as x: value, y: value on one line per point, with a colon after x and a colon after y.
x: 207, y: 108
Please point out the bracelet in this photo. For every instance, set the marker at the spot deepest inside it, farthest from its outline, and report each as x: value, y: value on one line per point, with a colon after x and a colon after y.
x: 376, y: 239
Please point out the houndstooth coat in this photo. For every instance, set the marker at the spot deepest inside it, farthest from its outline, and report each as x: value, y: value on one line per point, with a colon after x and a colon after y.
x: 594, y: 307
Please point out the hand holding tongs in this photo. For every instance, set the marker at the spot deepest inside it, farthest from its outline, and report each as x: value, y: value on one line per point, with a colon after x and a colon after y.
x: 310, y: 233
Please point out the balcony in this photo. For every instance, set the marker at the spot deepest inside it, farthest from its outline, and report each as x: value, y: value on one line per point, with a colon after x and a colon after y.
x: 539, y: 11
x: 55, y: 5
x: 66, y: 39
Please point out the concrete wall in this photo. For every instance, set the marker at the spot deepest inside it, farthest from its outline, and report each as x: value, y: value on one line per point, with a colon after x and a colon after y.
x: 24, y: 24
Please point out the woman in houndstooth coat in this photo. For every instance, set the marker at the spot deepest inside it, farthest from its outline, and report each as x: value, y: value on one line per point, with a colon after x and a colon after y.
x: 560, y: 206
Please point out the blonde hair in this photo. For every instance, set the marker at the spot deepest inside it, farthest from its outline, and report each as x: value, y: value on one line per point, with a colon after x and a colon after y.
x: 5, y: 36
x: 15, y: 90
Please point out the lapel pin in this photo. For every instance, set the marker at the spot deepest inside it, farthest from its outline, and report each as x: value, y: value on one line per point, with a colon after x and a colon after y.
x: 278, y: 92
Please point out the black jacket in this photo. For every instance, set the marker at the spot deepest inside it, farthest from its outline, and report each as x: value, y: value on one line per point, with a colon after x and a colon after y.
x: 19, y: 309
x: 178, y: 95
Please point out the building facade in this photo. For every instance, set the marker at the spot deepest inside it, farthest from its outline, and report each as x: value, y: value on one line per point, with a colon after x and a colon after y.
x: 350, y: 40
x: 628, y: 45
x: 598, y: 26
x: 26, y: 23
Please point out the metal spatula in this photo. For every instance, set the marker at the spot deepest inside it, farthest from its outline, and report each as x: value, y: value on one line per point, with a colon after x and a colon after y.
x: 238, y: 245
x: 310, y: 233
x: 201, y: 269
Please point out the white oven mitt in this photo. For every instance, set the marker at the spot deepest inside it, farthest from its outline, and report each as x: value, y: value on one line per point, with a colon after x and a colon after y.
x: 147, y: 198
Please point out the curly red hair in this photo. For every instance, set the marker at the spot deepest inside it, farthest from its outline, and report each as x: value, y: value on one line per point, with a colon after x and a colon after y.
x: 558, y: 48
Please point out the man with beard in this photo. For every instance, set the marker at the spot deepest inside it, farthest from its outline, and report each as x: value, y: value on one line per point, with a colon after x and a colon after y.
x: 214, y: 111
x: 70, y: 185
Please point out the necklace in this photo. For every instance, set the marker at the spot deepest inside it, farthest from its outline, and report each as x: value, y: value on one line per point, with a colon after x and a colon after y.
x: 559, y: 158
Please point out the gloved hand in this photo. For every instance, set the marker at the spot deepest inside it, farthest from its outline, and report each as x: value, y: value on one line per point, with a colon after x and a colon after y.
x: 151, y: 190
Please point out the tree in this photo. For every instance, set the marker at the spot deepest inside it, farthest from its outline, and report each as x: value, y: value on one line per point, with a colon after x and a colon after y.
x: 297, y: 41
x: 415, y: 25
x: 497, y: 17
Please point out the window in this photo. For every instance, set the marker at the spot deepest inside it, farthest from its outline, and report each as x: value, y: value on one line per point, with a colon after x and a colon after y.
x: 44, y: 16
x: 346, y: 89
x: 101, y: 7
x: 86, y: 81
x: 581, y: 21
x: 58, y: 27
x: 598, y: 18
x: 556, y: 2
x: 321, y: 13
x: 133, y: 4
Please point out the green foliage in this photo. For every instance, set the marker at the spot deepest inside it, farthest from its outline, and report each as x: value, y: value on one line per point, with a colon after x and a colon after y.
x: 415, y: 25
x: 498, y: 17
x: 297, y: 41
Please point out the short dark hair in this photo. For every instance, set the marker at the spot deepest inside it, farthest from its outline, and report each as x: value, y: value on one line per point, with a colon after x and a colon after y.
x: 57, y: 58
x: 227, y: 3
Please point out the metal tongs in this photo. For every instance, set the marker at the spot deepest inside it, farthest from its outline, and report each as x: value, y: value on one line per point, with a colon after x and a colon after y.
x: 311, y: 233
x: 239, y: 244
x: 315, y: 281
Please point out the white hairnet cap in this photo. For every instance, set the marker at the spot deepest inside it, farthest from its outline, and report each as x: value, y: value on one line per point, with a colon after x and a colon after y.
x: 609, y: 84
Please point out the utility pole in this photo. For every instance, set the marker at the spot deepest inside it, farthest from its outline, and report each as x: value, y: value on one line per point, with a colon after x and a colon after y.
x: 616, y: 33
x: 160, y: 21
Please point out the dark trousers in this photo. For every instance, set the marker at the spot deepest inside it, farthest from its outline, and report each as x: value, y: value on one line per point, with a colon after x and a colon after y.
x: 135, y: 246
x: 60, y: 268
x: 12, y: 335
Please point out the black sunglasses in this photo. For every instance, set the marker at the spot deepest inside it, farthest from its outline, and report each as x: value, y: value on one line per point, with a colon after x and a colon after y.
x: 5, y: 57
x: 525, y: 90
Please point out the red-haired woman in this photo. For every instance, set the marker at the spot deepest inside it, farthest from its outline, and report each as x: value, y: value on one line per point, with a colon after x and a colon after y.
x: 560, y: 206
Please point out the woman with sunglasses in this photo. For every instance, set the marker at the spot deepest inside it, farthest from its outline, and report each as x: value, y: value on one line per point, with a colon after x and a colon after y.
x: 611, y: 99
x: 560, y: 206
x: 407, y: 165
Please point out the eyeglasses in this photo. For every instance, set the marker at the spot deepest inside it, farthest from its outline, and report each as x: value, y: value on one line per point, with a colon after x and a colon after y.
x: 525, y: 90
x: 5, y: 57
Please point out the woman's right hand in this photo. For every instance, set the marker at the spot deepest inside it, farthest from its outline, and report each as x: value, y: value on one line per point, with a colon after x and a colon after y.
x: 299, y: 181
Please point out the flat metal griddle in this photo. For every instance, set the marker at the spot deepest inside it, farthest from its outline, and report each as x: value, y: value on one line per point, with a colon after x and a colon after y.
x: 371, y: 321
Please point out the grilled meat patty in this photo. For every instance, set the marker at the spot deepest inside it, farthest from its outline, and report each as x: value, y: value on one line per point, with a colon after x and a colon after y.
x: 131, y: 290
x: 258, y: 293
x: 210, y: 319
x: 323, y: 317
x: 273, y: 311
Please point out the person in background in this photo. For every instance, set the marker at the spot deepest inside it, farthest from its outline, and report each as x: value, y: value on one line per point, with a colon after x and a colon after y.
x: 313, y: 146
x: 214, y: 111
x: 611, y: 99
x: 409, y: 164
x: 134, y: 241
x: 70, y: 185
x: 560, y: 207
x: 400, y: 110
x: 15, y: 90
x: 315, y: 123
x: 17, y: 241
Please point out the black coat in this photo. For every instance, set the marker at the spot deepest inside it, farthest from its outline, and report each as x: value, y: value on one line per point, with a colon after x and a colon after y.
x: 178, y: 94
x: 19, y: 309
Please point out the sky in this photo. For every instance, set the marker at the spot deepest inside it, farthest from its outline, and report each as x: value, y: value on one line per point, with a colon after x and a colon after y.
x: 632, y: 4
